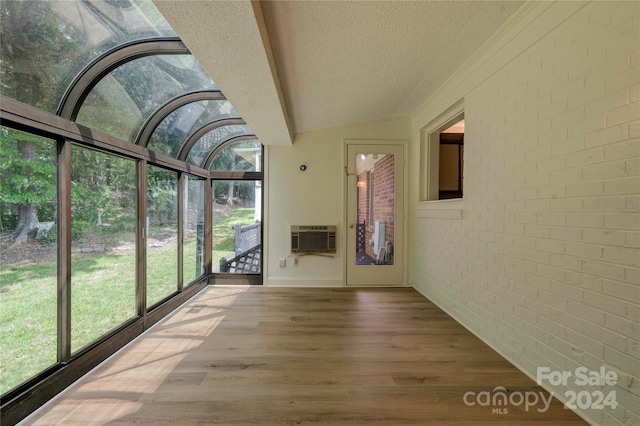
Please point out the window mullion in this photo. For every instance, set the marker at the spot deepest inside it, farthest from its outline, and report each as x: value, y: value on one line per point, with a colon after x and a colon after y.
x: 141, y: 241
x: 64, y: 251
x: 208, y: 225
x: 181, y: 213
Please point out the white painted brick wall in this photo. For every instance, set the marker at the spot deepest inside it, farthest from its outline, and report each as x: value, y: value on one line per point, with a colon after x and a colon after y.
x: 545, y: 263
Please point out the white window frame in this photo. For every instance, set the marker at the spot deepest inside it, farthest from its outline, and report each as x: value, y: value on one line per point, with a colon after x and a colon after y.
x: 429, y: 189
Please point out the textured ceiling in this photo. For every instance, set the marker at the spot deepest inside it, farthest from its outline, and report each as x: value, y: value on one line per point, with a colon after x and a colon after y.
x: 229, y: 40
x: 352, y: 61
x: 299, y: 66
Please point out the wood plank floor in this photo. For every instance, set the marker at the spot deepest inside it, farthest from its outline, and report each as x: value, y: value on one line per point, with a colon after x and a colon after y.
x: 274, y: 356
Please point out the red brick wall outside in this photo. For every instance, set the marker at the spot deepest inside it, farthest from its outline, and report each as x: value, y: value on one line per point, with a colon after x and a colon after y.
x: 363, y: 200
x: 363, y: 210
x: 384, y: 195
x: 383, y: 200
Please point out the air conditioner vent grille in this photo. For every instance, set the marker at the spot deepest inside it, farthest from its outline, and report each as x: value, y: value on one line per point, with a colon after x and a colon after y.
x: 313, y: 239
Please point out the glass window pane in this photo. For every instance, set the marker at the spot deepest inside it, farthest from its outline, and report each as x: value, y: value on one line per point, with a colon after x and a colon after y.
x: 243, y: 156
x: 162, y: 234
x: 171, y: 134
x: 120, y: 103
x: 375, y: 208
x: 28, y: 252
x: 213, y: 139
x: 237, y: 245
x: 46, y: 43
x: 193, y: 229
x: 103, y: 247
x: 450, y: 158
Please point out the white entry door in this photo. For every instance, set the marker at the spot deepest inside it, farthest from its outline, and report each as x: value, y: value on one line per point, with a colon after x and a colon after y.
x: 375, y: 213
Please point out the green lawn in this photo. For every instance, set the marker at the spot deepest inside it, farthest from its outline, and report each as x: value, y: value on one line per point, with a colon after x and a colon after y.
x: 27, y: 322
x: 102, y: 298
x: 223, y: 242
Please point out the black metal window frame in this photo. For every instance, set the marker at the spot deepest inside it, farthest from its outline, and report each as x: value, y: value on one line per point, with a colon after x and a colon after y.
x: 61, y: 128
x: 233, y: 278
x: 93, y: 72
x: 199, y: 133
x: 154, y: 120
x: 20, y: 401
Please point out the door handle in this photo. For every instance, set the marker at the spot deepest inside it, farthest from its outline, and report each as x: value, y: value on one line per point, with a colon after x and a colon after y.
x: 351, y: 225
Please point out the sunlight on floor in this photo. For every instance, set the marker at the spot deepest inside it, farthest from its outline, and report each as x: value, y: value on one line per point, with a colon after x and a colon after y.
x: 144, y: 365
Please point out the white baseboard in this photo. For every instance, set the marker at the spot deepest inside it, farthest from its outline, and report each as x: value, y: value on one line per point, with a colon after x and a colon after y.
x: 304, y: 282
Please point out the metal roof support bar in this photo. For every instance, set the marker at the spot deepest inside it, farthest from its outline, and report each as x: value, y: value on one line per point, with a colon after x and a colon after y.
x: 195, y: 136
x: 212, y: 154
x: 86, y: 79
x: 154, y: 120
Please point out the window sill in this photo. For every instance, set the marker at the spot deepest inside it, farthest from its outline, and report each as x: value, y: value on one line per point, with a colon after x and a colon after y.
x: 440, y: 209
x: 433, y: 203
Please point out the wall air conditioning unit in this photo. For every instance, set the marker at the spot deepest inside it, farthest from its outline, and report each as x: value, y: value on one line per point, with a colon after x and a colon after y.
x: 313, y: 239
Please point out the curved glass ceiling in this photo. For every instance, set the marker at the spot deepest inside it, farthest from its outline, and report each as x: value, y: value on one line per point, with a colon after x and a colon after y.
x: 53, y: 48
x: 169, y: 137
x: 238, y: 156
x: 212, y: 140
x: 45, y: 44
x: 120, y: 103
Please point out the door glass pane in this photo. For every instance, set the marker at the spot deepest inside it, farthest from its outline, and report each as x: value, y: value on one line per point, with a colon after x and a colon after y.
x: 193, y: 229
x: 103, y: 246
x: 28, y: 249
x: 237, y: 233
x: 162, y: 234
x: 375, y: 208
